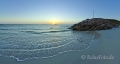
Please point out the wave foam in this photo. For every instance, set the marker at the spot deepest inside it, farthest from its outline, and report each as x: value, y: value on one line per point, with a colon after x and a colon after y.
x: 24, y: 51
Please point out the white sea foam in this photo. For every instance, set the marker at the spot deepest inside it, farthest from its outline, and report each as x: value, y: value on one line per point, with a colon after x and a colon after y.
x: 29, y: 45
x: 18, y: 59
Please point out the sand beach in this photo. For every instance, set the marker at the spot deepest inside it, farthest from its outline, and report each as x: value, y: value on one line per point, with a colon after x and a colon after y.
x: 108, y: 45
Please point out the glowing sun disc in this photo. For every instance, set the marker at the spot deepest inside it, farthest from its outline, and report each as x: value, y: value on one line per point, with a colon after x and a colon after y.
x: 53, y: 22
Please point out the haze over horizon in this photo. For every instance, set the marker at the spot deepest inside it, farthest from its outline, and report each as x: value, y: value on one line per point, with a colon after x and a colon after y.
x: 56, y: 11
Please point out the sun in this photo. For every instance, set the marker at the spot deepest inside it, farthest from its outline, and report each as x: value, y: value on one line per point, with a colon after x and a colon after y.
x: 53, y: 22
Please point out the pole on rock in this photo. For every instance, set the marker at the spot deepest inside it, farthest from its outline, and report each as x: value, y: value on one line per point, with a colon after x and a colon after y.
x: 93, y: 13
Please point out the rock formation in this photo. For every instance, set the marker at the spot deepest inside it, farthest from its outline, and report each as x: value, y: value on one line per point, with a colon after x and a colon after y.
x: 95, y: 24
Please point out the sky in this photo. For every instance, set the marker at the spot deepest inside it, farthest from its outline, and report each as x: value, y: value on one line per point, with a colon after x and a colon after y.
x: 59, y: 11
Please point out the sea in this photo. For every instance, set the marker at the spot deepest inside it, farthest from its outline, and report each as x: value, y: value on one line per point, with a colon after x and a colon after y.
x: 38, y: 41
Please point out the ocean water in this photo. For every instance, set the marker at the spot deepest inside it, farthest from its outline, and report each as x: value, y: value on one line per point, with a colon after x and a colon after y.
x: 38, y: 41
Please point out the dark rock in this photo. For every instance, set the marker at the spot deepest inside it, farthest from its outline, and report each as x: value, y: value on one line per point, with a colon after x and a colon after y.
x: 95, y: 24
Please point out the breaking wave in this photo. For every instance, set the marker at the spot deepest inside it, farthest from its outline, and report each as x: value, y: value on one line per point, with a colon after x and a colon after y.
x: 21, y: 45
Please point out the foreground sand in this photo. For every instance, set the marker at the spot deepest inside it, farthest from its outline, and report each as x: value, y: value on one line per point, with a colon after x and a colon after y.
x: 109, y: 44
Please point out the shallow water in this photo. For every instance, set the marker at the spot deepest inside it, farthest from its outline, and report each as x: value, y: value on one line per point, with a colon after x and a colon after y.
x: 24, y: 42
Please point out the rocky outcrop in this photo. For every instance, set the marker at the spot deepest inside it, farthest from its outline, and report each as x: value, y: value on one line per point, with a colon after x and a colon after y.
x: 95, y: 24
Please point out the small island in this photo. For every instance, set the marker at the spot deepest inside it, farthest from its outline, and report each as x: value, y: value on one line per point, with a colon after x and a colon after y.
x: 96, y: 24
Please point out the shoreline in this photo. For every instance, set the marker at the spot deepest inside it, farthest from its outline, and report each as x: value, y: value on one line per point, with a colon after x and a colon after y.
x: 108, y: 44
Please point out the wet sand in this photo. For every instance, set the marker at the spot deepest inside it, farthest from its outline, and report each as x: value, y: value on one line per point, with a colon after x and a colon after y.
x: 109, y: 44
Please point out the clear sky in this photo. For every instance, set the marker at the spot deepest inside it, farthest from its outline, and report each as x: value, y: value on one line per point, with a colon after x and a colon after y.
x: 62, y: 11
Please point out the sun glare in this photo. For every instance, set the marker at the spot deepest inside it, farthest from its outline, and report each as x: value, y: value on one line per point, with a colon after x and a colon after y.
x: 53, y: 22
